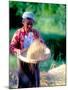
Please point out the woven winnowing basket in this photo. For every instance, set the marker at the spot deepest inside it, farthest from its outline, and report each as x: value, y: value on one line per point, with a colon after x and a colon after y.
x: 35, y: 53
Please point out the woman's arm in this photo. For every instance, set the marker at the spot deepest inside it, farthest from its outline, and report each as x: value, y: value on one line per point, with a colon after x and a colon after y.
x: 14, y: 49
x: 37, y: 35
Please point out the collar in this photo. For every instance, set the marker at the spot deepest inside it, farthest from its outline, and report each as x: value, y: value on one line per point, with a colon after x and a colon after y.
x: 24, y: 32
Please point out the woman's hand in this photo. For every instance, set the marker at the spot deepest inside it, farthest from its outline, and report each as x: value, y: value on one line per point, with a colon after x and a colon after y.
x: 18, y: 52
x: 23, y: 50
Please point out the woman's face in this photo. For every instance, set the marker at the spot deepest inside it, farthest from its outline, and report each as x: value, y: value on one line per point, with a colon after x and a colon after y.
x: 28, y: 23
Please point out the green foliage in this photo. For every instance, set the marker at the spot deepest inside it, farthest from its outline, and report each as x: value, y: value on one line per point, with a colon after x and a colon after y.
x: 12, y: 31
x: 47, y: 15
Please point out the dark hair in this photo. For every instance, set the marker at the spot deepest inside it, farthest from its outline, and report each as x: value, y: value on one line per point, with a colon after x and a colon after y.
x: 27, y: 18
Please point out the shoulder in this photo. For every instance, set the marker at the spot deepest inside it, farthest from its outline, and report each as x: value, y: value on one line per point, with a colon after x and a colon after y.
x: 18, y: 31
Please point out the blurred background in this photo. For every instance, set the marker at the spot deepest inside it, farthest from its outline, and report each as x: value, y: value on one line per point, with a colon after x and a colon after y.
x: 50, y: 22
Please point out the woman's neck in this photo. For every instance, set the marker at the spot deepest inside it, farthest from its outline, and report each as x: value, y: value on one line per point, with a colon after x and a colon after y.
x: 26, y: 31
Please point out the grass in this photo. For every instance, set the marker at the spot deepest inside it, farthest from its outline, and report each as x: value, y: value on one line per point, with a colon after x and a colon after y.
x: 12, y: 62
x: 51, y: 63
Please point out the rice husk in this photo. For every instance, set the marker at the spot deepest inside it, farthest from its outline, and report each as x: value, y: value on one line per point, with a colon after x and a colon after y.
x: 36, y: 50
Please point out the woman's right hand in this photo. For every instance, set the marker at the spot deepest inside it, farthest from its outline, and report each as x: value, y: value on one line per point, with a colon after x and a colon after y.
x: 18, y: 52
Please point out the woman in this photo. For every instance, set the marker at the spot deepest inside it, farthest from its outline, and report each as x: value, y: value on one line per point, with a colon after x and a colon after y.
x: 23, y: 37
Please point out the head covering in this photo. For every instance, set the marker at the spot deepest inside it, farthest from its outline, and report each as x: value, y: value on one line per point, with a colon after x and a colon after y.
x: 28, y: 15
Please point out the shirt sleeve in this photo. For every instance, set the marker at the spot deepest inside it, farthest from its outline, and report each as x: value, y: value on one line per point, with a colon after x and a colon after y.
x: 41, y: 39
x: 37, y: 35
x: 15, y: 42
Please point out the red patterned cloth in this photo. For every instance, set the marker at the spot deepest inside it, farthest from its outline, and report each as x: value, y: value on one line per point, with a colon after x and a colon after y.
x: 17, y: 41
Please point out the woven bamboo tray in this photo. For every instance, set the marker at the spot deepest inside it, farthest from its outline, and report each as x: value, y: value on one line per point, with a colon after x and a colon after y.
x: 23, y: 57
